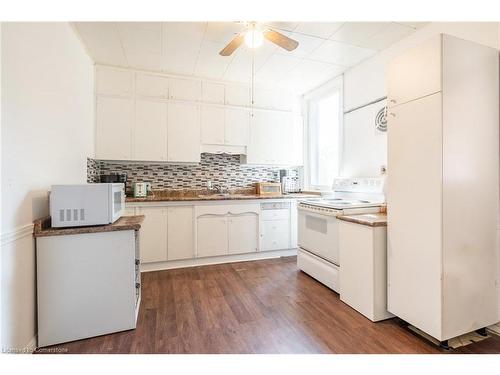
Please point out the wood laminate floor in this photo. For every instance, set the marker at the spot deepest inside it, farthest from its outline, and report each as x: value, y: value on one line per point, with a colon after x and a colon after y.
x: 265, y: 306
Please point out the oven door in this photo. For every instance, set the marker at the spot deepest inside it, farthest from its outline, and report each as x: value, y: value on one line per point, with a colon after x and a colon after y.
x: 318, y: 234
x: 117, y: 201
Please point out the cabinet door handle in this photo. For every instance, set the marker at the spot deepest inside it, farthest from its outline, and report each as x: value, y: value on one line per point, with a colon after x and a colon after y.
x: 392, y: 114
x: 393, y: 101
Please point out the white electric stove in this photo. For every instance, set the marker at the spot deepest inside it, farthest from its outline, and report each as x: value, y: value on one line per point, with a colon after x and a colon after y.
x: 318, y: 253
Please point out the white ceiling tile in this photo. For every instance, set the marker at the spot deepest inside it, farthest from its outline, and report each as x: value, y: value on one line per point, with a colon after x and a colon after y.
x: 108, y: 55
x: 308, y: 74
x: 210, y: 64
x: 153, y: 26
x: 415, y: 25
x: 141, y: 40
x: 189, y: 30
x: 282, y: 26
x: 181, y: 46
x: 191, y: 48
x: 94, y: 33
x: 276, y: 68
x: 222, y: 32
x: 388, y: 36
x: 319, y: 29
x: 307, y: 44
x: 144, y: 60
x: 358, y: 32
x: 340, y: 53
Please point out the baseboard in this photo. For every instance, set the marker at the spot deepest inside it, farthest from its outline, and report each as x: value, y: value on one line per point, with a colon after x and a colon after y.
x: 160, y: 266
x: 16, y: 234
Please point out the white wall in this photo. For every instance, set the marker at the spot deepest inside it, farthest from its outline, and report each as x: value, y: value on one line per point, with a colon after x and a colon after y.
x: 47, y: 133
x: 366, y: 82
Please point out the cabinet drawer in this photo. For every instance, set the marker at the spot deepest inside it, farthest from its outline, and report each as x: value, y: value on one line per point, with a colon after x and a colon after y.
x: 275, y: 234
x: 280, y: 214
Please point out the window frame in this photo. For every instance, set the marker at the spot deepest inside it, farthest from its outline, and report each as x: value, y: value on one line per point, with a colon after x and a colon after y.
x: 336, y: 84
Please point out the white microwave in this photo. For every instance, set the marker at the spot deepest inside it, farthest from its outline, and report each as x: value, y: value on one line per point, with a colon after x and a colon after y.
x: 86, y: 204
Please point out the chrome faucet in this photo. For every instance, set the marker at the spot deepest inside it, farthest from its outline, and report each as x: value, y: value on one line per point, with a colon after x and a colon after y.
x: 220, y: 189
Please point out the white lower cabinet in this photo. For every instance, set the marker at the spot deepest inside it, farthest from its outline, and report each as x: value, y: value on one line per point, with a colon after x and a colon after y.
x: 243, y: 233
x: 180, y: 233
x: 275, y: 234
x: 187, y: 231
x: 211, y: 235
x: 276, y: 226
x: 227, y: 229
x: 166, y: 234
x: 153, y: 234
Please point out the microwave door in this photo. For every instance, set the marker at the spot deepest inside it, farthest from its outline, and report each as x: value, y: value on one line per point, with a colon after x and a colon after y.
x: 117, y: 202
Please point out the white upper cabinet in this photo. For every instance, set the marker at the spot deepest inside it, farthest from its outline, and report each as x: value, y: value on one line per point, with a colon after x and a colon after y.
x: 270, y: 138
x: 150, y: 85
x: 237, y: 122
x: 111, y: 81
x: 183, y: 132
x: 150, y: 132
x: 416, y: 73
x: 212, y: 125
x: 238, y: 95
x: 114, y: 122
x: 212, y: 93
x: 260, y: 146
x: 155, y: 117
x: 184, y: 89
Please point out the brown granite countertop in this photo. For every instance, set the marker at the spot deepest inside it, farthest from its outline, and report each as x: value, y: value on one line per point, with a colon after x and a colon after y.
x: 371, y: 220
x: 43, y: 228
x: 204, y: 195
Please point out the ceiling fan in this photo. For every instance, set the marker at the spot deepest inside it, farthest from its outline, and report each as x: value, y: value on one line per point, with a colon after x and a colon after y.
x: 254, y: 35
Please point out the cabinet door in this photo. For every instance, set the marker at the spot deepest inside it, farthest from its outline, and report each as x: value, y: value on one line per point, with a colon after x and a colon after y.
x: 416, y: 73
x: 212, y: 92
x: 153, y: 234
x: 114, y: 117
x: 236, y: 126
x: 180, y: 233
x: 183, y: 132
x: 275, y: 234
x: 110, y: 81
x: 281, y: 133
x: 243, y: 233
x: 260, y: 147
x: 184, y: 89
x: 211, y: 235
x: 150, y: 132
x: 414, y: 204
x: 150, y: 85
x: 212, y: 125
x: 238, y: 95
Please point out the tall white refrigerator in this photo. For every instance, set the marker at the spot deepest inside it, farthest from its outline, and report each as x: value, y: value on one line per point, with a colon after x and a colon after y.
x: 443, y: 186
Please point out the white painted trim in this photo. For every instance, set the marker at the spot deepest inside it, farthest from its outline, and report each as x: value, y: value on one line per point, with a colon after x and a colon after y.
x: 16, y: 234
x: 159, y: 266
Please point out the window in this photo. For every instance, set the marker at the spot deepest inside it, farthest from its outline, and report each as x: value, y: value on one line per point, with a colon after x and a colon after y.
x: 324, y: 136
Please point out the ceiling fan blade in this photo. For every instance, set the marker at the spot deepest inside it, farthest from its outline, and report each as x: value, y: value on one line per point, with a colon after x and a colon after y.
x: 232, y: 45
x: 281, y: 40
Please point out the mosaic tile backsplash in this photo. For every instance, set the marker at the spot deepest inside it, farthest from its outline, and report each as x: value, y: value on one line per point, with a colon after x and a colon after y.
x: 221, y: 169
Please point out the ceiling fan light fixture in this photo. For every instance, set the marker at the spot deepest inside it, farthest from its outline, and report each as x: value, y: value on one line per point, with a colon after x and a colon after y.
x: 254, y: 38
